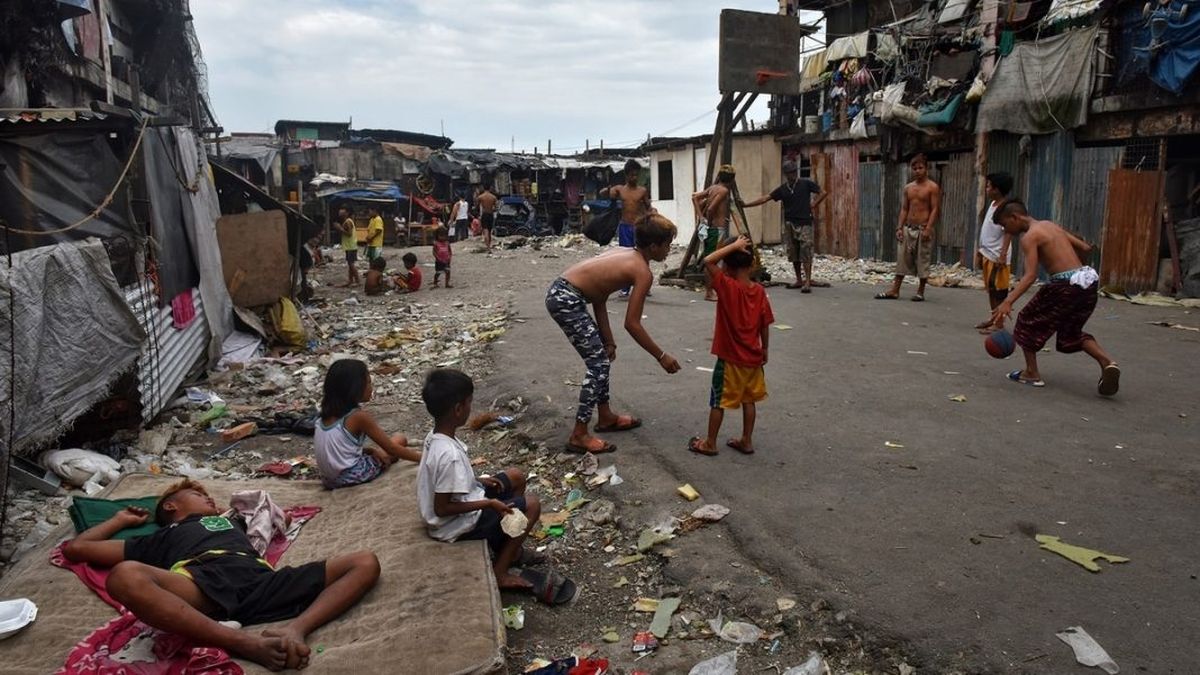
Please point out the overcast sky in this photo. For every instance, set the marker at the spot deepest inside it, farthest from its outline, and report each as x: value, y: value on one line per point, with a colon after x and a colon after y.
x: 489, y: 70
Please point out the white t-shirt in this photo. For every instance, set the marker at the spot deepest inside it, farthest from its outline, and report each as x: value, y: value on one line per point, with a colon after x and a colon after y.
x: 446, y: 468
x: 462, y: 211
x: 991, y: 237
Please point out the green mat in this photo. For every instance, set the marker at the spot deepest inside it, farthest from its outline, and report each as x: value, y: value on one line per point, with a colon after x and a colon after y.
x: 88, y: 512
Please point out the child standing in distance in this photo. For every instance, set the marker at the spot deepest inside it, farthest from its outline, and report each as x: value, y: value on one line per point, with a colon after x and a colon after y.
x: 441, y: 256
x: 409, y: 281
x: 740, y: 342
x: 590, y: 283
x: 994, y: 256
x: 341, y: 435
x: 374, y: 234
x: 377, y: 282
x: 349, y: 245
x: 456, y: 505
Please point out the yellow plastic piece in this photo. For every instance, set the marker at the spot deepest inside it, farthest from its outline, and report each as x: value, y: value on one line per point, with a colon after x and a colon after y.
x: 1084, y: 557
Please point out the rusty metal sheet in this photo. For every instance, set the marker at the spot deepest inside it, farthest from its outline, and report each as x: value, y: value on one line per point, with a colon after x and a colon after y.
x: 1131, y: 230
x: 957, y: 222
x: 870, y: 209
x: 843, y: 193
x: 1050, y: 163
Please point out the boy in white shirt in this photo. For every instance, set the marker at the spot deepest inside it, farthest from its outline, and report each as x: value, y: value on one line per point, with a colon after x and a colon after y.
x: 456, y: 505
x: 994, y: 256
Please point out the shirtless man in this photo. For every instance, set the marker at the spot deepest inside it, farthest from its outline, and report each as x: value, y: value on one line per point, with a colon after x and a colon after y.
x: 1062, y: 306
x: 487, y: 214
x: 635, y: 203
x: 199, y: 568
x: 712, y: 204
x: 918, y: 214
x: 590, y: 283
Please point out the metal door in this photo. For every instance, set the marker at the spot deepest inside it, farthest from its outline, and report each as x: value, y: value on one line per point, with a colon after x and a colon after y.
x: 1131, y: 230
x: 870, y: 209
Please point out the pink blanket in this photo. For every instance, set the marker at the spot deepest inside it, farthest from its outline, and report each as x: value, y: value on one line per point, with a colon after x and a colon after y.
x: 126, y: 646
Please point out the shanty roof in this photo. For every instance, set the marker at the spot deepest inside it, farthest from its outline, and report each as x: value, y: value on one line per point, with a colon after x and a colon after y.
x: 405, y: 137
x: 19, y: 115
x: 284, y: 124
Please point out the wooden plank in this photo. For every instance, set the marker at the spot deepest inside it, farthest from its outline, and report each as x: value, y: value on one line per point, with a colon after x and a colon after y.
x: 1131, y: 230
x: 820, y: 172
x: 254, y: 257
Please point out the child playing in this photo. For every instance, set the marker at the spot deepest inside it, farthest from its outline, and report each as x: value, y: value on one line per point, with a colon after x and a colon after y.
x: 441, y: 256
x: 339, y: 438
x: 739, y: 342
x: 408, y: 281
x: 590, y: 283
x: 456, y: 506
x: 377, y: 283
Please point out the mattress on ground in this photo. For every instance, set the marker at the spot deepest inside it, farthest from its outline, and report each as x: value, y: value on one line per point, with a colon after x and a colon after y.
x: 435, y: 609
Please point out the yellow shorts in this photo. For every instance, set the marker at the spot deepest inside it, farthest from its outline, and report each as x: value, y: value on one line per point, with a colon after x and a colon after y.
x: 734, y: 385
x: 996, y: 276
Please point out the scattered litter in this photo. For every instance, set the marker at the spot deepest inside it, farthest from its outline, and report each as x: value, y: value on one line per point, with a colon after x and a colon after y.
x: 710, y: 513
x: 958, y: 398
x: 1084, y: 557
x: 239, y: 432
x: 514, y: 617
x: 740, y: 632
x: 815, y: 665
x: 15, y: 615
x: 648, y: 605
x: 610, y: 636
x: 78, y: 467
x: 725, y: 664
x: 782, y: 326
x: 688, y: 492
x: 890, y: 444
x: 704, y: 369
x: 514, y: 523
x: 1088, y: 652
x: 951, y: 372
x: 587, y: 464
x: 653, y: 536
x: 1168, y: 324
x: 606, y: 475
x: 661, y: 624
x: 918, y: 353
x: 906, y: 669
x: 628, y: 560
x: 621, y: 583
x: 644, y: 642
x: 556, y: 518
x: 784, y: 604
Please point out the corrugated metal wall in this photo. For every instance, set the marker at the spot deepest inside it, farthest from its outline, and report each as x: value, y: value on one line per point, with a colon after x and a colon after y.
x: 1132, y: 230
x: 957, y: 222
x: 1004, y: 154
x: 843, y: 193
x: 1050, y: 160
x: 168, y: 354
x: 870, y: 209
x: 1088, y: 192
x: 894, y: 178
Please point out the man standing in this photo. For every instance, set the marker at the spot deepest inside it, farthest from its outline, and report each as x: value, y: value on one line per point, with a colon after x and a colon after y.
x: 487, y: 214
x: 798, y: 232
x: 635, y: 203
x: 1062, y: 306
x: 712, y: 203
x: 345, y: 225
x: 994, y: 256
x: 374, y: 234
x: 462, y: 219
x: 918, y: 213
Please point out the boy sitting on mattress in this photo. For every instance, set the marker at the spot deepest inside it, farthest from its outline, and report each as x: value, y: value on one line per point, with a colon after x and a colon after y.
x: 200, y: 568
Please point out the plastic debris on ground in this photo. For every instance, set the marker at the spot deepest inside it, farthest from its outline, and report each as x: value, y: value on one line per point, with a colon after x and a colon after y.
x: 724, y: 664
x: 737, y: 632
x: 815, y: 665
x: 710, y: 513
x: 1087, y: 651
x: 688, y: 492
x: 644, y: 642
x: 660, y: 625
x: 1084, y: 557
x: 514, y: 617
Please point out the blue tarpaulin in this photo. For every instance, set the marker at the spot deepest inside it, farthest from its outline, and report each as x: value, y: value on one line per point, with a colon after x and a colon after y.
x: 392, y: 192
x: 1173, y: 65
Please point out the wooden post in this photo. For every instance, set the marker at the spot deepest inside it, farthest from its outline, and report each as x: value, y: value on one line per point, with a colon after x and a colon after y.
x: 989, y: 18
x: 724, y: 116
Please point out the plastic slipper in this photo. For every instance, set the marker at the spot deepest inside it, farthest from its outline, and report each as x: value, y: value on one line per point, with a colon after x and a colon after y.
x: 1015, y: 376
x: 917, y: 298
x: 886, y: 296
x: 737, y: 445
x: 1110, y: 380
x: 605, y: 447
x: 695, y: 444
x: 820, y: 284
x: 550, y: 587
x: 623, y: 423
x: 806, y: 289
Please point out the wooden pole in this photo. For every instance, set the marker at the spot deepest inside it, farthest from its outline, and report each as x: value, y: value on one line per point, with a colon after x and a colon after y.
x: 724, y: 116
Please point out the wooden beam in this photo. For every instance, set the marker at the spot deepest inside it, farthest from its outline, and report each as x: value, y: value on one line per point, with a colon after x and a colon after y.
x: 724, y: 112
x: 742, y: 113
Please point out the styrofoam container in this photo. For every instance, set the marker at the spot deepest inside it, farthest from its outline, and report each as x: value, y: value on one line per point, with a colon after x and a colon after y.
x: 15, y: 615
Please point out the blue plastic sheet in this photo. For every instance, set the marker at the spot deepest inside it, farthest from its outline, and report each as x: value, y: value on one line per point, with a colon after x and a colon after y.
x: 1173, y: 66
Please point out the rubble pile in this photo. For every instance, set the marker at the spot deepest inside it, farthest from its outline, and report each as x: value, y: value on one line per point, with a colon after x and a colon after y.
x: 835, y: 269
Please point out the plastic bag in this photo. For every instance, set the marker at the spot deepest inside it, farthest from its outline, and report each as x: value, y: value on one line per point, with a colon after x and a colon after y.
x: 602, y: 226
x: 977, y: 90
x: 858, y: 128
x: 286, y: 321
x: 78, y: 467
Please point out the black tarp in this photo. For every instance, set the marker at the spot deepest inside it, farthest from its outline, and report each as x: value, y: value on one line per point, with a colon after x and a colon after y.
x: 55, y: 179
x: 175, y: 260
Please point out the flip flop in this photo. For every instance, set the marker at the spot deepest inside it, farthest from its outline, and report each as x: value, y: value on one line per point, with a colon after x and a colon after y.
x: 820, y: 284
x: 605, y: 447
x: 806, y: 289
x: 737, y: 445
x: 1015, y: 376
x: 695, y: 445
x: 886, y: 296
x: 623, y: 423
x: 550, y: 587
x: 917, y: 298
x: 1110, y: 380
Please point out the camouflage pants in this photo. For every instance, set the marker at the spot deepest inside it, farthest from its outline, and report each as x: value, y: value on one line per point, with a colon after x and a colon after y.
x: 569, y: 309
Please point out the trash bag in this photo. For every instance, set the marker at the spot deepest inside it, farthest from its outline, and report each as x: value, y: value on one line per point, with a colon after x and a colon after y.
x: 77, y: 466
x: 288, y: 327
x: 602, y: 226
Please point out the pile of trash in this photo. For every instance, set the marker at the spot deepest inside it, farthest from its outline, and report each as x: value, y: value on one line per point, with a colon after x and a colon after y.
x: 835, y: 269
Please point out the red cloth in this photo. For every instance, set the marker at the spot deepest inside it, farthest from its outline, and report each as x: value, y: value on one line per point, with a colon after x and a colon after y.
x: 174, y: 655
x: 414, y: 279
x: 742, y: 312
x: 183, y: 310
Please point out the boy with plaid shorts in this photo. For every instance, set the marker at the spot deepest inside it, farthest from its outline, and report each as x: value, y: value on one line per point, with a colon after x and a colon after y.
x: 740, y: 342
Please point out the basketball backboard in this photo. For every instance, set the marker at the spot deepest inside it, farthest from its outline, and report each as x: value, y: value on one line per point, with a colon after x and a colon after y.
x: 759, y: 53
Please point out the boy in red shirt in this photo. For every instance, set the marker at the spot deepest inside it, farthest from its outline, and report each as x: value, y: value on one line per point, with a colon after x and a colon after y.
x: 740, y: 340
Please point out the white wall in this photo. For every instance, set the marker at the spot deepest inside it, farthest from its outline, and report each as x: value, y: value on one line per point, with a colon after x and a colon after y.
x: 679, y: 209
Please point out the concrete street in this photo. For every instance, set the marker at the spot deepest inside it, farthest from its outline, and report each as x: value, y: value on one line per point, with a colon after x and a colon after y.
x: 898, y: 535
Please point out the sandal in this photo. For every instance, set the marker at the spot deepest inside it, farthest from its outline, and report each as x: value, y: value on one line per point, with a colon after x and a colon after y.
x: 917, y: 298
x: 1015, y: 376
x: 736, y: 444
x: 796, y: 284
x: 600, y: 447
x: 623, y: 423
x: 1110, y: 380
x: 696, y: 445
x: 550, y: 587
x: 806, y: 289
x: 886, y: 296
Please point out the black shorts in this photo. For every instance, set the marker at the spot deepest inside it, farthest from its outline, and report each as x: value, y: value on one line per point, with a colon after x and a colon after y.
x: 439, y: 266
x: 487, y: 220
x: 488, y: 527
x: 352, y: 256
x: 246, y: 590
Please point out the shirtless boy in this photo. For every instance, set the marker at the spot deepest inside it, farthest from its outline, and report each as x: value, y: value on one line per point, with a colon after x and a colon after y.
x: 635, y: 204
x: 200, y: 569
x: 918, y: 214
x: 487, y: 215
x: 591, y: 282
x: 1062, y: 306
x: 712, y: 204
